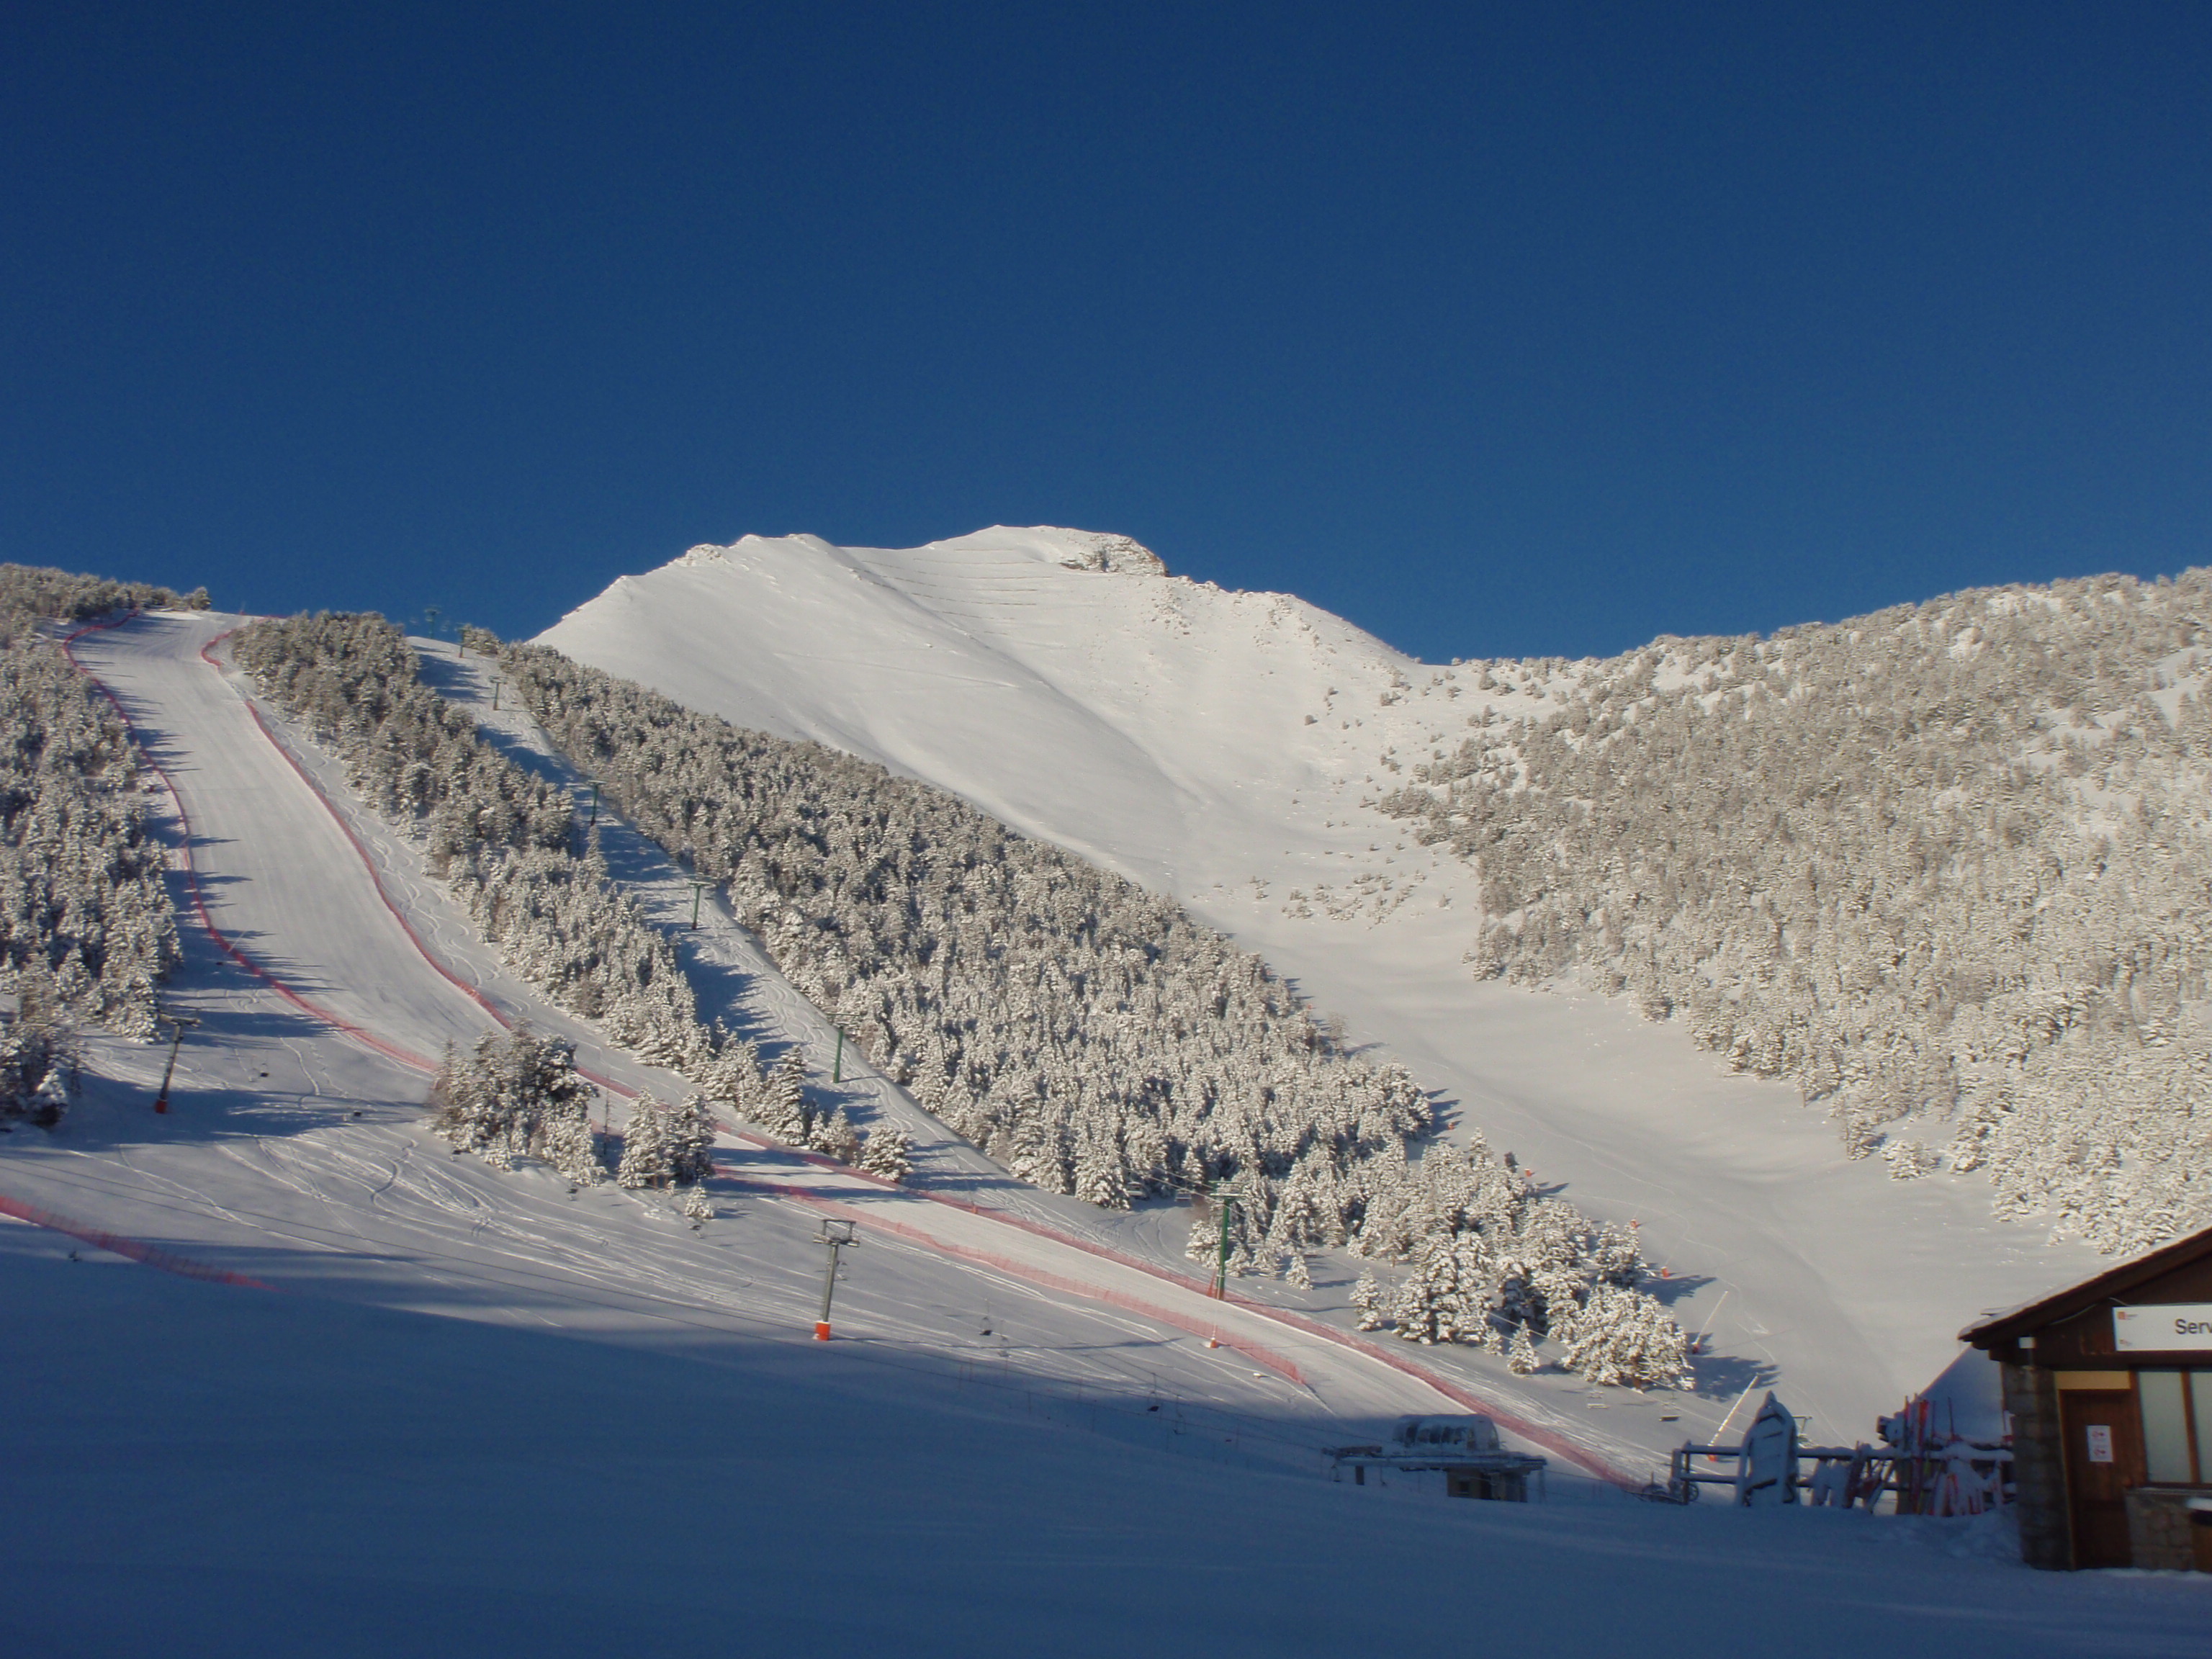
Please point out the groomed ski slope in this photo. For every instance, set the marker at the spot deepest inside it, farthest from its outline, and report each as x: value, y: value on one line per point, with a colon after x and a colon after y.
x: 1221, y: 747
x: 619, y: 1439
x: 737, y: 981
x: 297, y: 1157
x: 201, y: 1471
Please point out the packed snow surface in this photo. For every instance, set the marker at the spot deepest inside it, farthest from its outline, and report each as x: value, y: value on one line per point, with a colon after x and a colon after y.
x: 196, y: 1470
x: 1224, y: 748
x: 619, y: 1438
x: 298, y: 1152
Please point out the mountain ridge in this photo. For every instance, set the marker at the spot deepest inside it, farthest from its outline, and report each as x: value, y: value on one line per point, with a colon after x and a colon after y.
x: 1231, y: 750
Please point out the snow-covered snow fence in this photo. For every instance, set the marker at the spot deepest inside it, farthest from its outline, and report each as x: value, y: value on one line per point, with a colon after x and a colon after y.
x: 134, y: 1249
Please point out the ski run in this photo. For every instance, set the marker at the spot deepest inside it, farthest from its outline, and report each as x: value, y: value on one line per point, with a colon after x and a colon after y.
x: 1035, y: 1430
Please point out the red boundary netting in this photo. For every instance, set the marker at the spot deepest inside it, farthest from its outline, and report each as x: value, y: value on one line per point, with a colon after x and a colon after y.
x: 138, y: 1249
x: 1022, y: 1270
x: 1549, y: 1439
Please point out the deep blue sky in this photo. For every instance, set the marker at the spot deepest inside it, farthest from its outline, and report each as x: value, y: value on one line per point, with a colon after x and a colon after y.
x: 1513, y: 331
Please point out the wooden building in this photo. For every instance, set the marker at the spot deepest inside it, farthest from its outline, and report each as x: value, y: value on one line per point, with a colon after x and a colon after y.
x: 2108, y: 1386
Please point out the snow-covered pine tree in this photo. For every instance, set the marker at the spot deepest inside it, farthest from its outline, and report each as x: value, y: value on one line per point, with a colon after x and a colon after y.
x: 1626, y: 1338
x: 1521, y: 1356
x: 888, y: 1153
x: 1439, y: 1301
x: 1101, y: 1176
x: 783, y: 1109
x: 838, y: 1139
x: 572, y: 1147
x: 687, y: 1139
x: 1369, y: 1301
x: 646, y: 1160
x: 517, y: 1095
x: 733, y: 1073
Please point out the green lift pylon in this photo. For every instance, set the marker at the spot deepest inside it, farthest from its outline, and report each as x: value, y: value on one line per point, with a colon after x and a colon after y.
x: 1221, y: 1267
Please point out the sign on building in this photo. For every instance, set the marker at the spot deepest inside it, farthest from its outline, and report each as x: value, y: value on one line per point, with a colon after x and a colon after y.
x: 2163, y: 1328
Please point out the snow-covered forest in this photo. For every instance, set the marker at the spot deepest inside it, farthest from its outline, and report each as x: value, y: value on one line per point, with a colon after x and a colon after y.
x: 31, y: 595
x: 86, y: 930
x: 507, y: 844
x: 1948, y: 866
x: 503, y: 840
x: 518, y: 1095
x: 1088, y: 1033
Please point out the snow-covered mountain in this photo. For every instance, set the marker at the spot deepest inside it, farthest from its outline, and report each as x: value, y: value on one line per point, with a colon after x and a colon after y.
x: 1229, y: 749
x: 1063, y: 681
x: 1028, y: 1396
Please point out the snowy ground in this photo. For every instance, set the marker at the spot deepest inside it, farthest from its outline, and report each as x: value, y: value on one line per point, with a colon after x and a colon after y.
x: 296, y: 1153
x: 618, y: 1437
x: 738, y: 982
x: 1223, y: 747
x: 200, y: 1470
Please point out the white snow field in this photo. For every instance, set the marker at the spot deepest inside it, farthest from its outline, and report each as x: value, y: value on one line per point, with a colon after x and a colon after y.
x: 619, y: 1436
x: 355, y: 984
x: 1220, y: 747
x: 197, y: 1470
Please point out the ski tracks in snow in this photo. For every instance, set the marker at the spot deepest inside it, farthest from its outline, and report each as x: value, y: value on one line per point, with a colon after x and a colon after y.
x: 280, y: 825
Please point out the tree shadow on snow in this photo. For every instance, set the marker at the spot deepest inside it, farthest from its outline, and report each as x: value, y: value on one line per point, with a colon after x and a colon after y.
x: 1724, y: 1376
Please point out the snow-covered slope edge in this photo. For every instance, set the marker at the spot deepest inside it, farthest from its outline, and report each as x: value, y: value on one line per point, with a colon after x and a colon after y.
x: 1223, y: 748
x: 296, y: 1153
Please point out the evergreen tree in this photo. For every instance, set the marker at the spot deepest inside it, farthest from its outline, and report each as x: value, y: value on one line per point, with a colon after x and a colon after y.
x: 1369, y: 1301
x: 1624, y: 1337
x: 573, y: 1150
x: 517, y: 1095
x: 1521, y: 1356
x: 1436, y: 1303
x: 688, y: 1139
x: 838, y: 1139
x: 647, y: 1159
x: 887, y: 1152
x: 784, y: 1111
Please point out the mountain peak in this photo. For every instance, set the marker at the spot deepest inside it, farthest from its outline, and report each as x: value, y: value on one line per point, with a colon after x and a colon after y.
x: 1074, y: 550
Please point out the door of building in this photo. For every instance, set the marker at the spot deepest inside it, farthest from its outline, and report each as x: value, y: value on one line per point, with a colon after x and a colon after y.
x: 2104, y: 1458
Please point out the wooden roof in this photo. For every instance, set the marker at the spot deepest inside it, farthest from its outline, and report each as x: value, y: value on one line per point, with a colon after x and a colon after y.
x: 2111, y: 1284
